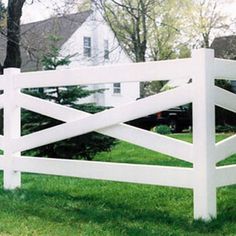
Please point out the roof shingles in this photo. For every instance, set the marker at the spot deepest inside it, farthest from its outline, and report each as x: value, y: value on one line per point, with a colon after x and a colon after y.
x: 35, y: 37
x: 225, y: 47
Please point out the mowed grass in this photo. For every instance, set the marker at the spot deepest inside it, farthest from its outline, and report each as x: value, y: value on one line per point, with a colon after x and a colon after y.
x: 49, y: 205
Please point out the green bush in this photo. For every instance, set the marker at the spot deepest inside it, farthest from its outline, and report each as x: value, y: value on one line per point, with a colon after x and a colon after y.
x: 163, y: 129
x: 85, y: 146
x: 225, y: 129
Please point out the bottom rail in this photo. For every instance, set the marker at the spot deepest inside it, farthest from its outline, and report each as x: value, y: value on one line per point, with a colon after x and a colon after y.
x: 225, y: 175
x: 133, y: 173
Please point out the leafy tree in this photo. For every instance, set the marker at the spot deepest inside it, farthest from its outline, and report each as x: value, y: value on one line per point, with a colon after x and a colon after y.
x: 206, y: 20
x: 2, y: 11
x: 81, y: 147
x: 146, y: 29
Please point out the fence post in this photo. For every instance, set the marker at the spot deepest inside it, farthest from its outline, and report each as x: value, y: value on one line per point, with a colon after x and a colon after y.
x: 204, y: 134
x: 11, y: 130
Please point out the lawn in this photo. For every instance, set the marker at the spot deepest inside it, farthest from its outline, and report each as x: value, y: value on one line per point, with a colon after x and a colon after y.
x: 47, y: 205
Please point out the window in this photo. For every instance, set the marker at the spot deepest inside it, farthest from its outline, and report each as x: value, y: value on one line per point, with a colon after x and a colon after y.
x: 116, y: 88
x: 106, y: 49
x: 87, y: 46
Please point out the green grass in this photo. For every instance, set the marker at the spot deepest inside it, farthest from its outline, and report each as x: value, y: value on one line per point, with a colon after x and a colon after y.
x: 128, y: 153
x: 47, y: 205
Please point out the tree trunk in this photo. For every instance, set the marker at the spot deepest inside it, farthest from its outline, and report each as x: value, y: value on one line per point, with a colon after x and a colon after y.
x: 13, y: 57
x: 1, y: 69
x: 14, y: 12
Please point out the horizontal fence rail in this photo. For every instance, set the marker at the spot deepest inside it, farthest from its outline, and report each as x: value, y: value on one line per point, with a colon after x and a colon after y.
x: 204, y: 177
x: 225, y: 175
x: 225, y: 69
x: 225, y: 99
x: 134, y: 72
x: 225, y: 148
x: 132, y: 173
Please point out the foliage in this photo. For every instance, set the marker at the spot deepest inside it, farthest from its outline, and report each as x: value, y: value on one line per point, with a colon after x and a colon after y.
x: 2, y: 11
x: 81, y: 147
x: 160, y: 30
x: 163, y: 129
x: 147, y: 30
x: 225, y: 84
x: 225, y: 129
x: 206, y: 19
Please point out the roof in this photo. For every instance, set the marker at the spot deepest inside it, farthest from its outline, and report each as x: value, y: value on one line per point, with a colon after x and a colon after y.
x: 225, y: 47
x: 35, y: 37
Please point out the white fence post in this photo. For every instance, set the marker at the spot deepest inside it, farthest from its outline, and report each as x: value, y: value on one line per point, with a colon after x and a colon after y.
x: 12, y: 129
x: 204, y: 134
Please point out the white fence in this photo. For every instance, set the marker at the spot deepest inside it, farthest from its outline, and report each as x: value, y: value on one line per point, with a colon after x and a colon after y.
x: 204, y: 153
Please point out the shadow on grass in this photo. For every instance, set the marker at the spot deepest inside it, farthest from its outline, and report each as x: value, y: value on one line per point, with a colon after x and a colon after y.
x: 133, y: 219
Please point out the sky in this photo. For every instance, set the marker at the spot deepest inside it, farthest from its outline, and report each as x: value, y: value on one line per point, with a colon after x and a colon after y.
x: 43, y: 9
x: 39, y: 10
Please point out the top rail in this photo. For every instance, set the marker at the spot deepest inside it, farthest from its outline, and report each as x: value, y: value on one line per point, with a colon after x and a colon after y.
x: 225, y: 69
x: 133, y: 72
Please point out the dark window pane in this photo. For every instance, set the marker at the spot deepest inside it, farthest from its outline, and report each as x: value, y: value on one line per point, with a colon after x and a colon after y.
x: 87, y: 46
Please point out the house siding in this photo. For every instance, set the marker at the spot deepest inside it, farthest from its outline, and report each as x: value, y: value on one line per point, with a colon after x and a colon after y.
x: 98, y: 30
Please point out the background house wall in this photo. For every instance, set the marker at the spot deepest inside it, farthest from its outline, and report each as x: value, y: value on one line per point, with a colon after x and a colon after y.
x: 95, y: 28
x: 72, y: 29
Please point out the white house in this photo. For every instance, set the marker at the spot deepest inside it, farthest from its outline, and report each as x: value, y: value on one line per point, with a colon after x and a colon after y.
x: 95, y: 44
x: 87, y: 37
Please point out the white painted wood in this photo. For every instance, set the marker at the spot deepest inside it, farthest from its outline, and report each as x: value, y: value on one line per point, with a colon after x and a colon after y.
x: 1, y: 142
x: 12, y: 129
x: 204, y: 153
x: 51, y: 109
x: 225, y: 99
x: 148, y: 71
x: 225, y: 175
x: 134, y: 173
x: 204, y: 134
x: 225, y: 148
x: 146, y: 139
x: 152, y: 141
x: 3, y: 82
x: 1, y: 162
x: 142, y: 107
x: 2, y: 100
x: 225, y: 69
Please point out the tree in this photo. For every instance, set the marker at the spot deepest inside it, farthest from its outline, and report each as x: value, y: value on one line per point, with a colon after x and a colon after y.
x: 14, y: 13
x: 128, y: 20
x: 206, y: 20
x: 81, y: 147
x: 2, y: 11
x: 146, y: 29
x: 2, y: 24
x: 13, y: 59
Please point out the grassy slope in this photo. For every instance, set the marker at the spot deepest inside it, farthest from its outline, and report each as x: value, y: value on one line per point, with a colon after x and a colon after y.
x: 66, y: 206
